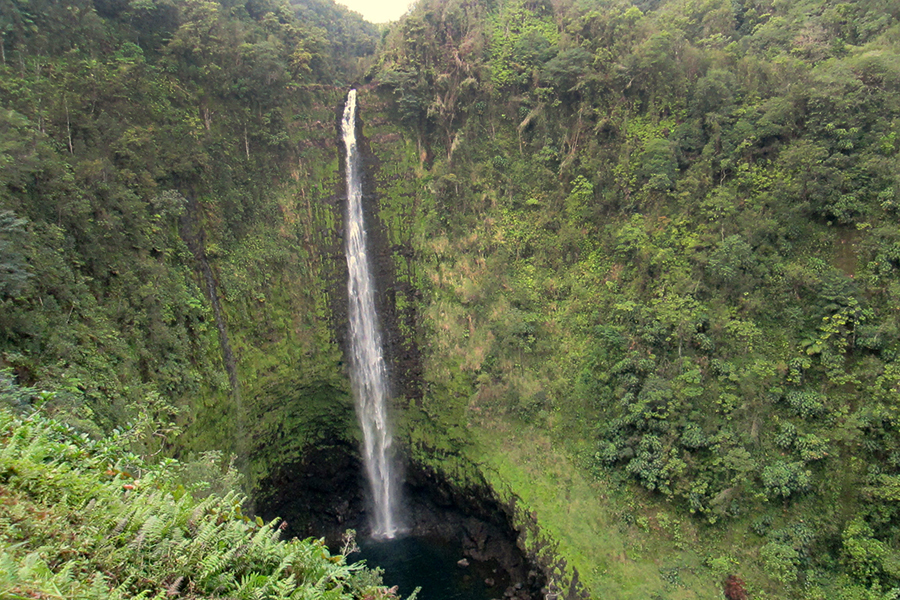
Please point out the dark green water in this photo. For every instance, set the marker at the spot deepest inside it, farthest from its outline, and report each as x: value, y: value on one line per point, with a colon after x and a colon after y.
x: 412, y: 562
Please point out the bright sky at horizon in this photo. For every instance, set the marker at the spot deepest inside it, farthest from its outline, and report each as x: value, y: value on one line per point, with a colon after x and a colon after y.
x: 378, y: 11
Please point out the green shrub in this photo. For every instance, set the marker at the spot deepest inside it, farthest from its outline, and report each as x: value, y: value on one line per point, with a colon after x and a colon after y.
x: 785, y: 479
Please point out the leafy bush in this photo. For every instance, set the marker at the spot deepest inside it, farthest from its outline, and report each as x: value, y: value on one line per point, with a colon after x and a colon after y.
x: 785, y: 479
x: 806, y: 404
x: 781, y: 561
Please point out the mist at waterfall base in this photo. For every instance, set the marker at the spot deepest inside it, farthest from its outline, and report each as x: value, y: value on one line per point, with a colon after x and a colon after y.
x: 430, y: 563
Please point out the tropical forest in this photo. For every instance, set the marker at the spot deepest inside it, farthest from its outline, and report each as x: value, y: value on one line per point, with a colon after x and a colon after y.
x: 630, y: 277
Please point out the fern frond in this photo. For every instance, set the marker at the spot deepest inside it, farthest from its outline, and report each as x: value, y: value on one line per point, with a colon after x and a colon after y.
x: 148, y: 542
x: 206, y: 534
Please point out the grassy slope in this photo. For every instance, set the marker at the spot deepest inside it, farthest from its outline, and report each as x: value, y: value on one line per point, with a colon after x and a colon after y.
x: 583, y: 516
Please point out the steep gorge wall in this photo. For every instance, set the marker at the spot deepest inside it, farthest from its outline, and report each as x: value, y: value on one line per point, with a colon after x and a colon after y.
x: 443, y: 463
x: 169, y: 198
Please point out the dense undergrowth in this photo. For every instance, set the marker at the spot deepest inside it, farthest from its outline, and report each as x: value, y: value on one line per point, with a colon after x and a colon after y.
x: 94, y: 519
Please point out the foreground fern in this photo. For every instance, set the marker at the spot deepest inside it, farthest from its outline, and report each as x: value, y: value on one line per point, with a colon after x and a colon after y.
x: 75, y: 524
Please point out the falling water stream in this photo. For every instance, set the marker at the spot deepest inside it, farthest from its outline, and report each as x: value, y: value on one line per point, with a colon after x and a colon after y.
x: 368, y: 373
x: 409, y: 561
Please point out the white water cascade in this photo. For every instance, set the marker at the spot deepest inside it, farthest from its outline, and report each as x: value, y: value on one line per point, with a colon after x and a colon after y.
x: 368, y: 373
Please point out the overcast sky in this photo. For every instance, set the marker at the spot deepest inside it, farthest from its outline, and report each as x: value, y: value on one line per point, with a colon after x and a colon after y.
x: 378, y: 11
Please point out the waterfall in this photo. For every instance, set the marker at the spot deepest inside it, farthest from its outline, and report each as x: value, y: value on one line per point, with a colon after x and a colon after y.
x: 368, y: 373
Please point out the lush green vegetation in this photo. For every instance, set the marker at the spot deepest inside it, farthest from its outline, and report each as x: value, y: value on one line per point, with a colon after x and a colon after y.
x: 659, y: 238
x: 664, y: 235
x: 167, y: 228
x: 101, y: 518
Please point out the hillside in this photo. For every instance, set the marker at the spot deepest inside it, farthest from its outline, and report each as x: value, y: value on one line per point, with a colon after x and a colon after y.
x: 659, y: 241
x: 169, y: 184
x: 639, y: 261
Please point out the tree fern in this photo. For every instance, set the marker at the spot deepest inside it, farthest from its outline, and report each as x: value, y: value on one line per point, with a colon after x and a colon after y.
x: 283, y: 588
x: 22, y: 578
x: 212, y: 564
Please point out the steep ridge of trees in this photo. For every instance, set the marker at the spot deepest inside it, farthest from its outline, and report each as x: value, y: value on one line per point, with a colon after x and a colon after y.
x: 118, y: 118
x: 165, y: 171
x: 666, y: 233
